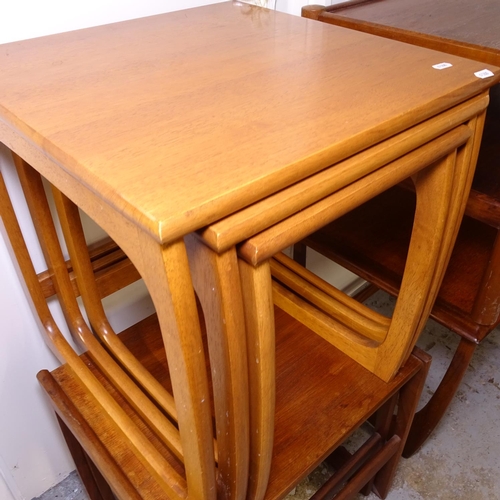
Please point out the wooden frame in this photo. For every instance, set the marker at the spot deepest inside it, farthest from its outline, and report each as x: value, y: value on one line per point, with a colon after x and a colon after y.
x: 233, y: 451
x: 439, y: 169
x: 170, y: 158
x: 383, y: 347
x: 467, y: 302
x: 107, y: 459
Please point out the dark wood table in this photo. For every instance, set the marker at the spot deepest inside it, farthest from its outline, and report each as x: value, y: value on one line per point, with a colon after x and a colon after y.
x: 468, y: 299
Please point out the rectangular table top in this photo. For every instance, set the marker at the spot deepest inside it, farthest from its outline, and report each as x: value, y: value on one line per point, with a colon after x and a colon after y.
x: 457, y: 25
x: 179, y: 119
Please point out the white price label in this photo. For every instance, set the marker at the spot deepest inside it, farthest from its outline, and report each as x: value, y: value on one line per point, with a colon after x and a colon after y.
x: 442, y: 65
x: 484, y: 73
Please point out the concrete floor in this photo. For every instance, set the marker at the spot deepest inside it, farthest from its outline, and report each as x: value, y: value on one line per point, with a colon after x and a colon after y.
x: 68, y: 489
x: 461, y: 460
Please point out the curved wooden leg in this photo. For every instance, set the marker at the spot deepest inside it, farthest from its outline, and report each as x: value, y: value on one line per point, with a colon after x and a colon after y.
x: 429, y: 416
x: 259, y: 319
x: 216, y: 280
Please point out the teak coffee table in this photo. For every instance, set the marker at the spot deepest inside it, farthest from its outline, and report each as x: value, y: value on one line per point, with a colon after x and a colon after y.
x: 204, y: 142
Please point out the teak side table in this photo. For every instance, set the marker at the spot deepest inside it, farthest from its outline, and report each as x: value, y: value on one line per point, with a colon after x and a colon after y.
x: 468, y: 299
x: 204, y: 142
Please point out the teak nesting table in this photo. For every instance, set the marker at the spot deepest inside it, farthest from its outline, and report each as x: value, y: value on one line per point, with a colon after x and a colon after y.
x: 204, y: 142
x: 467, y: 302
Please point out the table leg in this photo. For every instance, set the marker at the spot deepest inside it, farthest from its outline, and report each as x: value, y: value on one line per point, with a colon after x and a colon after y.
x: 165, y: 270
x: 217, y: 284
x: 426, y: 420
x: 259, y: 318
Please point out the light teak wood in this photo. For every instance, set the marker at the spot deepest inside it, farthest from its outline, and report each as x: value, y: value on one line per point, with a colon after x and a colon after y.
x: 260, y: 215
x: 442, y: 176
x: 442, y: 189
x: 216, y: 280
x: 97, y: 442
x: 80, y: 259
x: 63, y: 350
x: 467, y: 300
x: 205, y: 117
x: 233, y: 472
x: 232, y: 132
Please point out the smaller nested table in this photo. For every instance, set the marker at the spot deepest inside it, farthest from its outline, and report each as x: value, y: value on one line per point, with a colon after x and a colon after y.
x: 467, y: 302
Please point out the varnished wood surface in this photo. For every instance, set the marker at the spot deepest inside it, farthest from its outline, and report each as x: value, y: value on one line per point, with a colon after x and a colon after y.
x: 311, y: 373
x: 217, y: 284
x: 113, y: 271
x: 267, y: 243
x: 469, y: 26
x: 468, y: 298
x: 442, y: 185
x: 468, y: 29
x: 220, y: 106
x: 160, y: 126
x: 107, y: 435
x: 373, y: 161
x: 377, y: 252
x: 340, y: 391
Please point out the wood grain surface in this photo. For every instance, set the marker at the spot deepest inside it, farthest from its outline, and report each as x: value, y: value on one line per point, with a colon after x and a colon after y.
x: 472, y: 23
x: 180, y: 119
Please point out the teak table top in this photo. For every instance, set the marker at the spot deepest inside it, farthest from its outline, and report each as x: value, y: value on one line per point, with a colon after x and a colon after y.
x: 457, y: 26
x: 180, y: 119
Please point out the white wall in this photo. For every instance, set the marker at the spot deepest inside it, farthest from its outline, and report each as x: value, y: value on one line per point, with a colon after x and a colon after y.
x: 32, y: 455
x: 21, y: 19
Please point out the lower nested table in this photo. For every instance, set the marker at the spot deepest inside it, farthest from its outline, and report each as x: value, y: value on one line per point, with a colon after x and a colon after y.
x: 206, y: 141
x: 468, y: 299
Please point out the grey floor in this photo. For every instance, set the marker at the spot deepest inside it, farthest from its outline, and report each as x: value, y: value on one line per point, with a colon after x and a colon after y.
x: 68, y: 489
x: 461, y: 460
